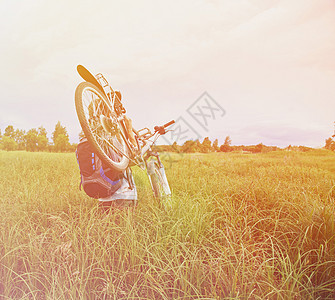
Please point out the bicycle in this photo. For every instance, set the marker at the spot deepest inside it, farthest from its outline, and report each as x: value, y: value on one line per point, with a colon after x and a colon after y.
x: 102, y: 118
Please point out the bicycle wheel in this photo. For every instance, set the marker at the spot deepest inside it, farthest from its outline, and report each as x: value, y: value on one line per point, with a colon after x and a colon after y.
x: 101, y: 128
x: 159, y: 183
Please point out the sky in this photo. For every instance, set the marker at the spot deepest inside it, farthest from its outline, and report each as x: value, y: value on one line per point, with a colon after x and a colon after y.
x: 268, y: 64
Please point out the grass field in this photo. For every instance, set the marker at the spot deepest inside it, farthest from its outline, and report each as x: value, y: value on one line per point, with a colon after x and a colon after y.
x: 241, y: 226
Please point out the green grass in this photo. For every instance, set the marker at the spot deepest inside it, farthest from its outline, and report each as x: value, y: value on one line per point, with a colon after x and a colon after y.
x: 241, y: 226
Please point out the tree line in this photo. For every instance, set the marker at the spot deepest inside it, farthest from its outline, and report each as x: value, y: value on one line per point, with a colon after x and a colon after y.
x: 206, y: 146
x: 36, y: 139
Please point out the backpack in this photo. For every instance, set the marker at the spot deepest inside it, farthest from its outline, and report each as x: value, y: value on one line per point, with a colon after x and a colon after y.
x: 97, y: 180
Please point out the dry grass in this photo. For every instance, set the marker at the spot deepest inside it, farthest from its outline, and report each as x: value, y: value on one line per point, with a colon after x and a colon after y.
x: 242, y: 226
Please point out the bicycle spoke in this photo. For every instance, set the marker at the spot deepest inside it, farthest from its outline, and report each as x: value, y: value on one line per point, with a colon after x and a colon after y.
x: 111, y: 145
x: 96, y: 128
x: 102, y: 144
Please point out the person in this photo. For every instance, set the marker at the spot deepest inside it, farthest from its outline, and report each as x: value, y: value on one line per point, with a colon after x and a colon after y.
x: 126, y: 195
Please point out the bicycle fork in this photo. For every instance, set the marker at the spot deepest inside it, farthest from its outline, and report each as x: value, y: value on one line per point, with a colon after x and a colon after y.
x: 166, y: 187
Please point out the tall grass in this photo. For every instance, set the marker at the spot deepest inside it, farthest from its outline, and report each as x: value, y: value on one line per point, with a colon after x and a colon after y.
x: 241, y: 226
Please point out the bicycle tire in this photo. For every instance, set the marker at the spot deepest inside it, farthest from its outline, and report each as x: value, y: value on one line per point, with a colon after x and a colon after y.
x: 159, y: 184
x: 111, y: 148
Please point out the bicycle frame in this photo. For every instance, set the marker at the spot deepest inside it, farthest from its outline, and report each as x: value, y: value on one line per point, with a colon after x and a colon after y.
x: 112, y: 97
x: 147, y: 141
x: 115, y: 123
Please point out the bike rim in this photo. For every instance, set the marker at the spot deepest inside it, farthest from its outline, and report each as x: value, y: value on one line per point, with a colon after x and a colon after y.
x: 112, y: 145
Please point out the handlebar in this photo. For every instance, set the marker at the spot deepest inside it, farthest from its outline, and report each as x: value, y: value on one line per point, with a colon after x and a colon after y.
x: 161, y: 129
x: 169, y: 123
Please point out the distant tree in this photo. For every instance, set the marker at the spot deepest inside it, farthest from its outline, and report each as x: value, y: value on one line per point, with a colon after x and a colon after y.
x: 59, y: 129
x: 259, y: 148
x: 174, y: 147
x: 42, y: 142
x: 197, y: 146
x: 62, y: 143
x: 330, y: 144
x: 32, y: 140
x: 216, y: 145
x: 329, y: 141
x: 19, y: 137
x: 226, y: 145
x: 224, y: 148
x: 227, y: 141
x: 0, y: 134
x: 42, y: 131
x: 60, y: 138
x: 188, y: 147
x: 8, y: 143
x: 42, y: 139
x: 9, y: 131
x: 206, y: 145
